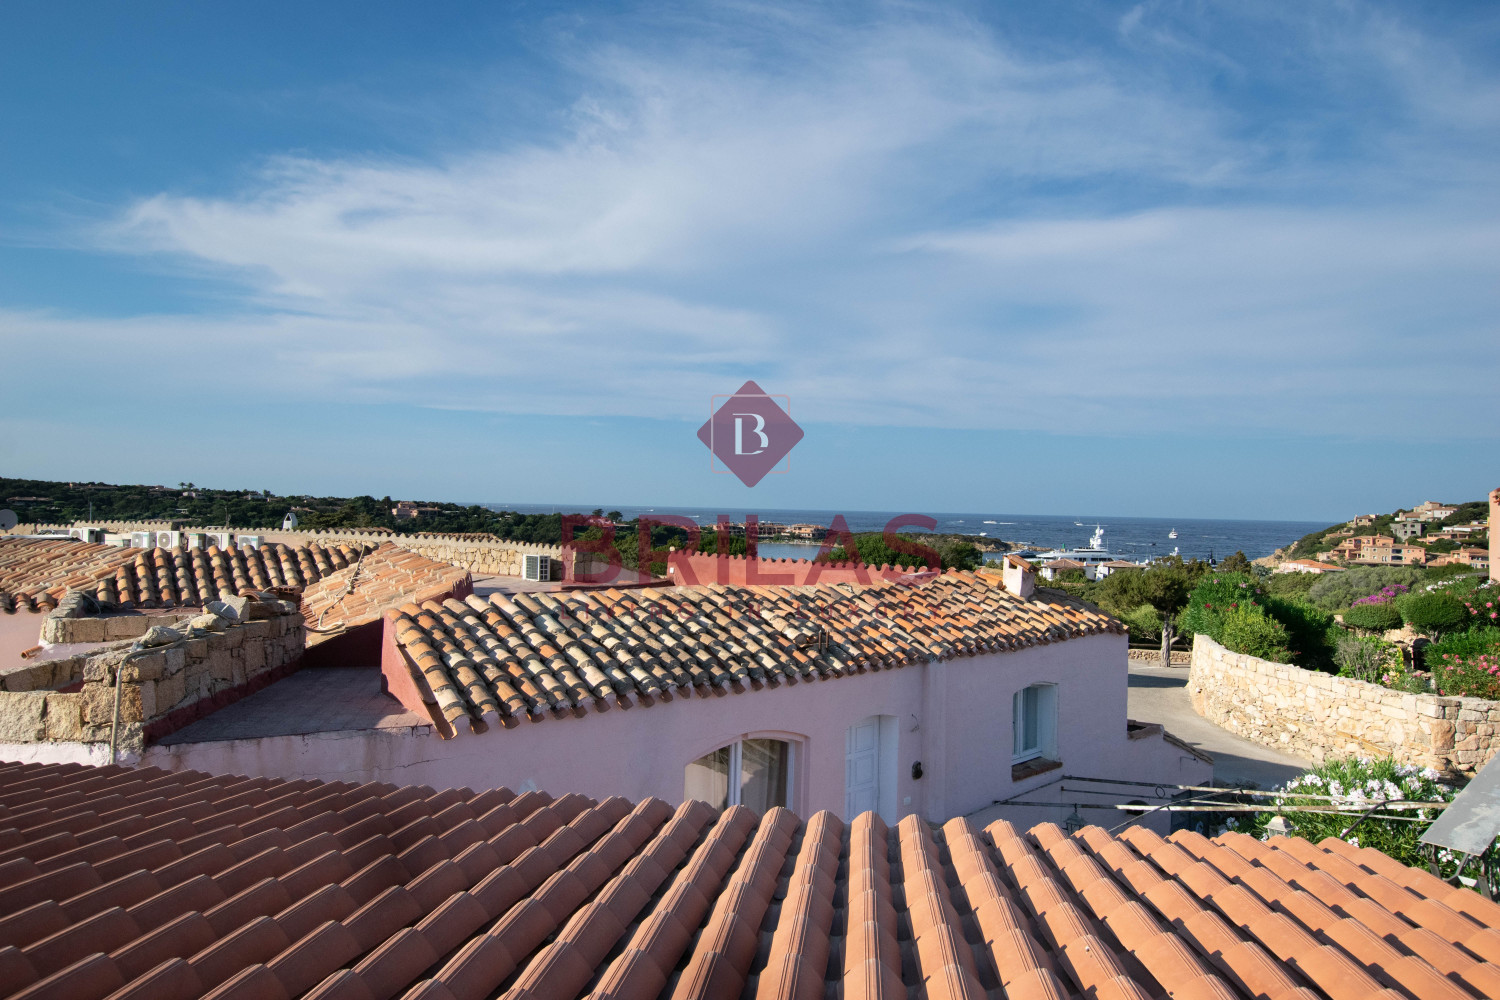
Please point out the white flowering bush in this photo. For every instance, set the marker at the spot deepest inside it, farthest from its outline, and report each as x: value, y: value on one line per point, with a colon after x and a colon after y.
x: 1355, y: 785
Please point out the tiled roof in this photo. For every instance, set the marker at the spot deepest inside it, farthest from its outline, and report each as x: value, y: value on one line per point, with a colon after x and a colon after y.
x: 36, y: 573
x: 168, y: 886
x: 382, y: 579
x: 1311, y: 564
x: 521, y: 656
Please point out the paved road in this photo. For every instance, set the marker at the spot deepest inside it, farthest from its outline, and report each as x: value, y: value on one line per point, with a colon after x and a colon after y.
x: 1160, y: 695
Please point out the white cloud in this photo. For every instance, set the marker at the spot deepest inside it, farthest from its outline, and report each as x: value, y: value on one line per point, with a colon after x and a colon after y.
x: 914, y: 221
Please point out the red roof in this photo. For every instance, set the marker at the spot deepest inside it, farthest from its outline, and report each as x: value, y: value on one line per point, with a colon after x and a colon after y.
x: 146, y: 884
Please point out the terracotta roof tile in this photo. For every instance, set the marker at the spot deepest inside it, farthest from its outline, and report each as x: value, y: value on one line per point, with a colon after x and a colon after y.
x: 35, y: 573
x: 530, y: 896
x: 525, y: 657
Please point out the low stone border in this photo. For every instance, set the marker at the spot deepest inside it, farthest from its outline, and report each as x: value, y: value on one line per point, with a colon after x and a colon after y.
x: 1179, y: 656
x: 162, y: 689
x: 1318, y: 715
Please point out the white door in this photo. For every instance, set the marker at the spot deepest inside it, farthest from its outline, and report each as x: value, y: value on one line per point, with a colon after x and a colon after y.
x: 861, y: 768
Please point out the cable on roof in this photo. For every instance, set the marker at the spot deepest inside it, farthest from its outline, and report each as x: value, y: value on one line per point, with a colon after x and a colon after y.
x: 341, y: 624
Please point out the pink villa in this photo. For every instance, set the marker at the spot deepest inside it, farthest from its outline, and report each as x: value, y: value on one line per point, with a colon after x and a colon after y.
x: 905, y: 693
x: 936, y: 699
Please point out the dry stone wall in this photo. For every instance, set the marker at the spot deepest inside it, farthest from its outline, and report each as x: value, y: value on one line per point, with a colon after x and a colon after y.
x: 161, y: 690
x: 480, y: 556
x: 1317, y: 715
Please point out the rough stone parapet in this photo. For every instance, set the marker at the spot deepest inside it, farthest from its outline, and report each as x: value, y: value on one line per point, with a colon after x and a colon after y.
x: 481, y: 556
x: 1317, y: 715
x: 1179, y: 656
x: 162, y: 689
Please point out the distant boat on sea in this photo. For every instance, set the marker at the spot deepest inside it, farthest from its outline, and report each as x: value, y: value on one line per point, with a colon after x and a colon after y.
x: 1091, y: 556
x: 1172, y: 533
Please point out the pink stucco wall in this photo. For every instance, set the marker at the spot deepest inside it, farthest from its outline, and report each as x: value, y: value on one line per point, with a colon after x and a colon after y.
x: 953, y: 716
x: 18, y: 632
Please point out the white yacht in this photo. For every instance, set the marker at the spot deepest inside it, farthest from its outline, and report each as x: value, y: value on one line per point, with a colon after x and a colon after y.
x: 1172, y: 533
x: 1091, y: 557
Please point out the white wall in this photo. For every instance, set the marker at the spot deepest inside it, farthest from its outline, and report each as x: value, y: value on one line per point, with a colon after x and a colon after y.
x: 954, y: 716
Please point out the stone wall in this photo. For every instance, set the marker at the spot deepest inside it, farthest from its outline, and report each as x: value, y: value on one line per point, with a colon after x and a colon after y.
x: 1180, y: 657
x: 480, y: 556
x: 161, y: 689
x: 114, y: 526
x: 66, y: 629
x: 1318, y: 715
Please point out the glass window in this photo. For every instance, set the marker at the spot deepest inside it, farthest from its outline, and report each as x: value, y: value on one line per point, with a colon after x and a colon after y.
x: 1034, y: 722
x: 708, y: 779
x: 762, y: 771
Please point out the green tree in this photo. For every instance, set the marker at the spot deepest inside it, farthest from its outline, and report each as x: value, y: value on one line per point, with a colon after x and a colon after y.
x: 1433, y: 613
x: 1236, y: 563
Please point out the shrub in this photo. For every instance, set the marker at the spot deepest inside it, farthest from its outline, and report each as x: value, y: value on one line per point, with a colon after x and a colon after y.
x: 1246, y: 630
x: 1461, y: 663
x: 1308, y: 631
x: 1483, y: 639
x: 1339, y: 590
x: 1215, y: 597
x: 1287, y: 630
x: 1373, y: 617
x: 1291, y: 584
x: 1434, y: 612
x: 1356, y: 784
x: 1144, y: 623
x: 1366, y: 658
x: 1474, y: 676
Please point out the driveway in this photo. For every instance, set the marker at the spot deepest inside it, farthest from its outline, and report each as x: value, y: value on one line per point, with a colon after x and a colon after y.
x: 1160, y: 695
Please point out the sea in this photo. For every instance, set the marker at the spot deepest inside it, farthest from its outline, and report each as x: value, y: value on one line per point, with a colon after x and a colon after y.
x: 1132, y: 538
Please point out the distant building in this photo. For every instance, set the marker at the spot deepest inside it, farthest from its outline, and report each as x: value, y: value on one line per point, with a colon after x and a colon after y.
x: 407, y: 510
x: 1363, y: 520
x: 1307, y: 566
x: 1434, y: 511
x: 1378, y: 550
x: 1051, y: 570
x: 1404, y: 529
x: 1494, y: 541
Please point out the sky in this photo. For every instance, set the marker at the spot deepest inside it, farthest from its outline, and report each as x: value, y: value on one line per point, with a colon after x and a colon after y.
x: 1172, y: 258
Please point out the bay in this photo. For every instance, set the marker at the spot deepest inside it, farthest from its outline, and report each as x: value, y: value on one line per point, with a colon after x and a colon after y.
x: 1130, y: 537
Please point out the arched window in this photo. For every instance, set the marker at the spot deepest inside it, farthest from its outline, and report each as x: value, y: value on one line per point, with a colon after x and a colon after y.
x: 754, y: 773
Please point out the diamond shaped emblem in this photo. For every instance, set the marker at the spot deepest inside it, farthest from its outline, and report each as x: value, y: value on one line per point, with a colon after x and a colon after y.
x: 750, y: 433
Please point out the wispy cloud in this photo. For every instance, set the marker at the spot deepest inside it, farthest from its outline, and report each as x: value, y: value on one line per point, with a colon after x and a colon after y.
x: 914, y: 218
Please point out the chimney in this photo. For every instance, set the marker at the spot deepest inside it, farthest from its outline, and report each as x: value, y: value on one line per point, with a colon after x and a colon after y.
x: 1020, y: 579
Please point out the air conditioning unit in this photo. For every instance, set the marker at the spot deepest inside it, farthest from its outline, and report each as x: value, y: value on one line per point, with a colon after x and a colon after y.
x: 143, y: 539
x: 197, y: 540
x: 94, y: 536
x: 248, y: 541
x: 168, y: 539
x: 536, y: 568
x: 223, y: 539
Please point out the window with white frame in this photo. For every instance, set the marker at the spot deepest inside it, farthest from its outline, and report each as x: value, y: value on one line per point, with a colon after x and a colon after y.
x: 1034, y: 722
x: 755, y: 773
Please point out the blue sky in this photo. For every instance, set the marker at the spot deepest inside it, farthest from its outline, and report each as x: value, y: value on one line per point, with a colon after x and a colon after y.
x: 1173, y: 259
